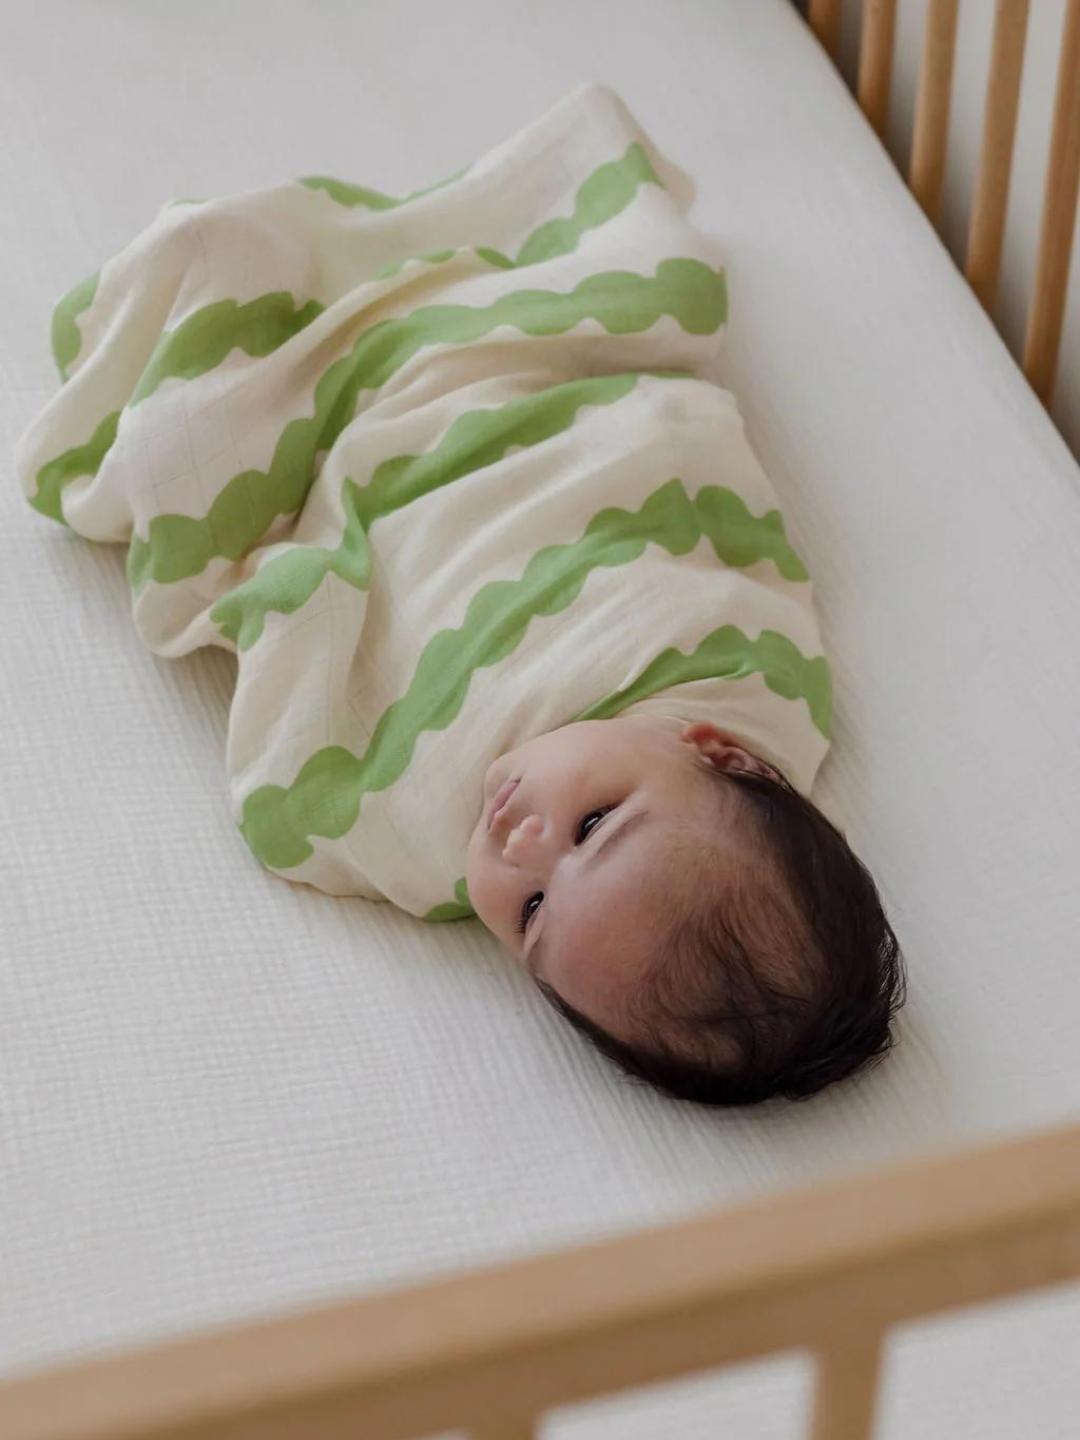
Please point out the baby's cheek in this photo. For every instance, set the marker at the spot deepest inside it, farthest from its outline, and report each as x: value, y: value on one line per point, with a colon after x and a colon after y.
x: 482, y: 886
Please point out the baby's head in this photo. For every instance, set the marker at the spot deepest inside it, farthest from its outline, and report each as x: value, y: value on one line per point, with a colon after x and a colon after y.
x: 685, y: 908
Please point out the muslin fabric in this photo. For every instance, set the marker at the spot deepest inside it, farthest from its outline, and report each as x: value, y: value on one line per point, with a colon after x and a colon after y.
x: 444, y: 473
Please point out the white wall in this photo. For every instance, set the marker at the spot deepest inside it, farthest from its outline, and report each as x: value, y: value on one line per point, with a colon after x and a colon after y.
x: 965, y: 132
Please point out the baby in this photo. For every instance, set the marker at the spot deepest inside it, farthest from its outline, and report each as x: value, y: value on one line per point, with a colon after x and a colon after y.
x: 519, y: 631
x: 702, y: 923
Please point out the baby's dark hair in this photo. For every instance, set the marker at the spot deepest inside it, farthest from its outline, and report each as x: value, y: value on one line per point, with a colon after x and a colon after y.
x: 789, y: 984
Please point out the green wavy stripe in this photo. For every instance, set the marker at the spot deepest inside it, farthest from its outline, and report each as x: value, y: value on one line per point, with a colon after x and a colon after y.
x: 600, y: 197
x: 324, y: 798
x: 437, y: 257
x: 726, y: 652
x: 607, y: 191
x: 460, y: 908
x: 198, y: 344
x: 440, y: 257
x: 352, y: 195
x: 476, y: 439
x: 79, y: 460
x: 179, y: 546
x: 65, y: 335
x: 202, y: 341
x: 723, y: 652
x: 206, y: 337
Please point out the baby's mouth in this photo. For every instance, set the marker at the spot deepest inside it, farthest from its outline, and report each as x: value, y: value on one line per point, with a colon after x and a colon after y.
x: 501, y: 798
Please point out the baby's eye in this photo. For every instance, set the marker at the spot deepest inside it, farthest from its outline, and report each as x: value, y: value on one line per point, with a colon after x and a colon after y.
x: 585, y: 828
x: 527, y: 913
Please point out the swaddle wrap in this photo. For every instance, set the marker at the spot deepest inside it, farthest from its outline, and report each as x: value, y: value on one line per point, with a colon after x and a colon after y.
x: 443, y: 473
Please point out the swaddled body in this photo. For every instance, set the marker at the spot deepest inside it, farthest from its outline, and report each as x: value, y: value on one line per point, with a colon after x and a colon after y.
x: 608, y: 566
x: 445, y: 474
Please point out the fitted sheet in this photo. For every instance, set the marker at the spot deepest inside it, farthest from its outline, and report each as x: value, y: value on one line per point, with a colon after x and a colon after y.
x: 222, y: 1095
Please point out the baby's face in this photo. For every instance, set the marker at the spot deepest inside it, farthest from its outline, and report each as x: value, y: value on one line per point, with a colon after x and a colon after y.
x: 587, y: 838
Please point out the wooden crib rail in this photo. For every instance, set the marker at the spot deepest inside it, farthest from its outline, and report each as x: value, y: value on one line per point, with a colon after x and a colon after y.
x: 828, y: 1269
x: 987, y: 231
x: 926, y: 169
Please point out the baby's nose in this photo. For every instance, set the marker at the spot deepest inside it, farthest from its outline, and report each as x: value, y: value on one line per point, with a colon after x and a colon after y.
x: 524, y: 841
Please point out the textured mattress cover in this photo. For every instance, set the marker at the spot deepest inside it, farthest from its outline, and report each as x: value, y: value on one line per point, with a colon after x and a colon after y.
x: 221, y: 1095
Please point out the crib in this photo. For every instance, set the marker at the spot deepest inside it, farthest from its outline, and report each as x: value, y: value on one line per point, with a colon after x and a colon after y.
x: 948, y: 1179
x: 829, y: 1270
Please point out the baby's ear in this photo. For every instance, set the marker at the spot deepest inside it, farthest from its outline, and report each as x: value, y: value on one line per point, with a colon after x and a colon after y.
x: 725, y: 750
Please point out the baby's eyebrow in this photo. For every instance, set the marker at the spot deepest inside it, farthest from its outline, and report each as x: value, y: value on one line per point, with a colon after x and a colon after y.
x: 615, y: 834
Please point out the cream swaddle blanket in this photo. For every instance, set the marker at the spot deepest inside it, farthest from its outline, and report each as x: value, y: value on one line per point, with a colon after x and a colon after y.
x: 444, y: 473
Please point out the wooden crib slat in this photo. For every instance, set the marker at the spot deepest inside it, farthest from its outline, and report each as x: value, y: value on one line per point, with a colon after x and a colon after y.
x: 824, y: 18
x: 931, y: 136
x: 504, y: 1430
x: 845, y: 1396
x: 875, y: 60
x: 987, y: 228
x: 1045, y: 317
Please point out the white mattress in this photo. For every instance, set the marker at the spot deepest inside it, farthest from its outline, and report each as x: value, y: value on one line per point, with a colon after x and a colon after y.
x: 221, y: 1094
